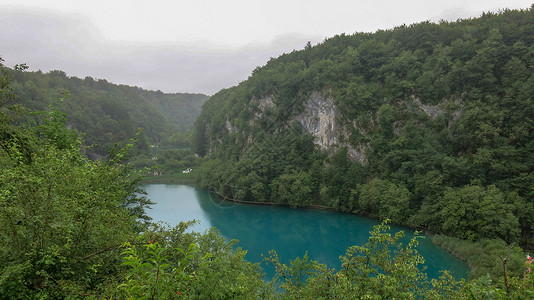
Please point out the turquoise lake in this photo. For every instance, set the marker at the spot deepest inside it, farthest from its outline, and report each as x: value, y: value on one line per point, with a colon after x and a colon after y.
x: 325, y: 235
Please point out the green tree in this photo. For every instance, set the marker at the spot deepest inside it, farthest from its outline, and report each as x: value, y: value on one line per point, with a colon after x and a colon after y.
x: 384, y: 199
x: 151, y: 275
x: 61, y: 215
x: 293, y: 188
x: 473, y: 212
x: 175, y: 263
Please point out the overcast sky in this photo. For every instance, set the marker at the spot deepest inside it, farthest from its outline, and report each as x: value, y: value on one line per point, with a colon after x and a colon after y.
x: 196, y: 46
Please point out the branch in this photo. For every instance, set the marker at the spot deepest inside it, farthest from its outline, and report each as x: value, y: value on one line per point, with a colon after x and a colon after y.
x: 504, y: 261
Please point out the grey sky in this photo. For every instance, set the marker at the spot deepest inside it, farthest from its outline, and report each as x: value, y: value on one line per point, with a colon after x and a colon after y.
x: 197, y: 46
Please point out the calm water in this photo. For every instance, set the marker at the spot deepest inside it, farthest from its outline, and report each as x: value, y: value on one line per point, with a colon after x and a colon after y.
x: 325, y: 235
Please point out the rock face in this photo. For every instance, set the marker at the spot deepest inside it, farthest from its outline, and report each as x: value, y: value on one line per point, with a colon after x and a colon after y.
x: 431, y: 110
x: 320, y: 120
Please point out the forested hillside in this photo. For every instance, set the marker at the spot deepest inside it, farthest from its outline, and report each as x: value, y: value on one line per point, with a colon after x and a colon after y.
x: 73, y: 228
x: 430, y: 125
x: 107, y: 113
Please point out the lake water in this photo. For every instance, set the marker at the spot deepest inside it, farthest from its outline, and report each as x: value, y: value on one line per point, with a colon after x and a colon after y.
x: 325, y: 235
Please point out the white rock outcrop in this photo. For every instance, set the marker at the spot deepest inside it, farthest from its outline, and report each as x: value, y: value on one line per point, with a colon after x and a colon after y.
x: 320, y: 120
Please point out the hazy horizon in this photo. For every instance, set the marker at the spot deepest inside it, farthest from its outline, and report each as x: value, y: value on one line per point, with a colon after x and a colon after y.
x: 195, y: 47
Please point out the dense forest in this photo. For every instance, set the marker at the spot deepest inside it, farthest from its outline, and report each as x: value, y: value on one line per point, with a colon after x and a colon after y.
x: 429, y: 125
x: 74, y: 228
x: 108, y: 114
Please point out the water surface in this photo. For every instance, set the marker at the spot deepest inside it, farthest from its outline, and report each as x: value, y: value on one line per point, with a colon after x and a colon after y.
x: 324, y: 235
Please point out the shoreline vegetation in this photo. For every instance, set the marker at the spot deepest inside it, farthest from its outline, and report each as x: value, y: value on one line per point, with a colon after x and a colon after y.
x: 482, y: 257
x: 434, y: 126
x: 428, y: 125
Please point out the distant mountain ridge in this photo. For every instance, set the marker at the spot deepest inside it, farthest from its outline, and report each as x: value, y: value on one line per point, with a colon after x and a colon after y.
x: 108, y: 113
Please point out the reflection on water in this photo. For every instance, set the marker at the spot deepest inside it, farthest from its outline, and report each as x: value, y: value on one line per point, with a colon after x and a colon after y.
x: 324, y: 235
x: 176, y: 203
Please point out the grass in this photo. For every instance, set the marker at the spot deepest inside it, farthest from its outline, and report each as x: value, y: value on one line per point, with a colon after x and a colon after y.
x: 485, y: 256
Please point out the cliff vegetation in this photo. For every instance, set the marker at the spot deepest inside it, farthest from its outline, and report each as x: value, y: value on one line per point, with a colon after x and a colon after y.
x: 430, y: 125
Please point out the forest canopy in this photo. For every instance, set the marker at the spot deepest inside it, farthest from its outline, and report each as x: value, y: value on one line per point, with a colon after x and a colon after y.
x: 107, y: 114
x: 434, y: 127
x: 441, y: 111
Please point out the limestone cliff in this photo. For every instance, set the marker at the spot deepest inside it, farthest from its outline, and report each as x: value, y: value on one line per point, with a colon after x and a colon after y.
x: 320, y: 119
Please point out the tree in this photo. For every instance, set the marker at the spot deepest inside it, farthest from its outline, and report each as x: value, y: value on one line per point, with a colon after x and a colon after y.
x: 293, y: 188
x: 62, y: 216
x: 384, y: 199
x: 473, y: 212
x: 170, y: 263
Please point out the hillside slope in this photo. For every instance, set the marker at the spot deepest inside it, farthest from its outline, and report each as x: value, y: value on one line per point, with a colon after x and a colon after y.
x: 431, y: 125
x: 107, y: 113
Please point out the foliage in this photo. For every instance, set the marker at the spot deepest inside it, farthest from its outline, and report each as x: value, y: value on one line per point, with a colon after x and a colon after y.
x: 442, y: 116
x: 483, y: 256
x: 176, y: 160
x: 434, y: 127
x: 293, y: 189
x: 71, y: 227
x: 107, y: 113
x: 153, y: 277
x: 57, y: 210
x: 384, y: 199
x: 210, y: 268
x: 473, y: 212
x: 68, y: 233
x: 383, y: 268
